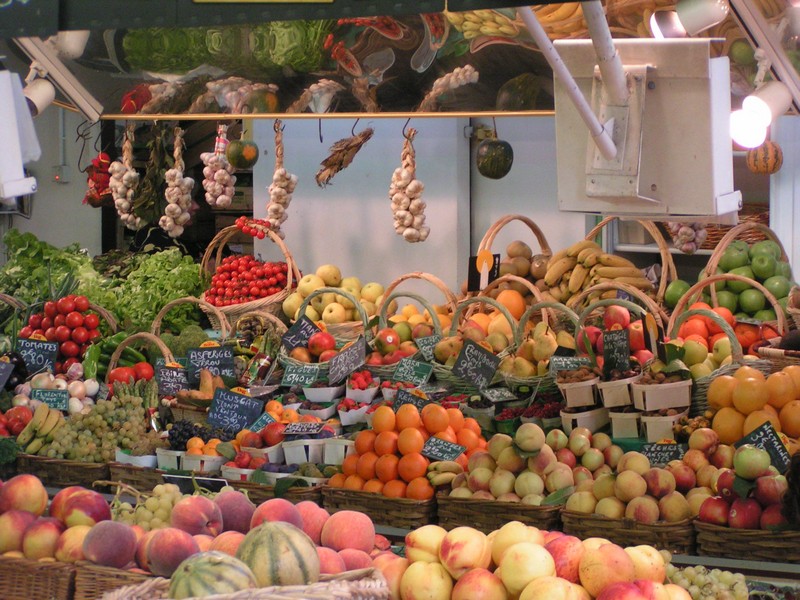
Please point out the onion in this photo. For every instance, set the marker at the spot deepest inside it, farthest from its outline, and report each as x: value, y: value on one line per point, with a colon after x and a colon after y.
x: 92, y: 387
x: 42, y: 381
x: 23, y: 388
x: 34, y: 404
x: 77, y: 389
x: 75, y: 371
x: 59, y: 384
x: 74, y: 406
x: 20, y: 400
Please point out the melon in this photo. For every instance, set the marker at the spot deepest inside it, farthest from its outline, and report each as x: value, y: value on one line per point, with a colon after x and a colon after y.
x: 766, y: 159
x: 210, y: 573
x: 494, y: 158
x: 279, y: 553
x: 242, y: 154
x: 519, y: 93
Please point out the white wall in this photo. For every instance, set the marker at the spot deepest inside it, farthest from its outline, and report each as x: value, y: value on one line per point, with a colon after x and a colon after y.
x: 784, y: 210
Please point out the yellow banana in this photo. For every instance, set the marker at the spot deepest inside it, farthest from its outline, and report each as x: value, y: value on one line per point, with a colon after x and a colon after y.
x: 49, y: 423
x: 547, y: 9
x: 39, y: 415
x: 556, y: 293
x: 614, y: 272
x: 579, y: 274
x: 578, y: 247
x: 52, y: 435
x: 437, y: 478
x: 557, y: 256
x: 565, y: 11
x: 564, y: 287
x: 446, y: 466
x: 556, y: 269
x: 639, y: 282
x: 34, y: 446
x: 26, y: 435
x: 612, y: 260
x: 584, y: 254
x: 609, y: 295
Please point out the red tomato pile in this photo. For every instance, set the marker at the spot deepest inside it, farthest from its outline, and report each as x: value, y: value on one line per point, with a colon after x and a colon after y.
x: 14, y: 421
x: 244, y: 279
x: 68, y: 322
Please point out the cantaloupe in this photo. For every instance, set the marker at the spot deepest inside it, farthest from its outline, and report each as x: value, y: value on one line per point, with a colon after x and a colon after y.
x: 210, y: 573
x: 280, y: 554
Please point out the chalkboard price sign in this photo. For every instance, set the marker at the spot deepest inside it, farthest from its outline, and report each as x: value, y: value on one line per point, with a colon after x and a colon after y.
x: 102, y: 393
x: 413, y: 371
x: 499, y: 394
x: 475, y: 365
x: 218, y: 360
x: 616, y: 351
x: 406, y: 397
x: 6, y: 369
x: 38, y: 355
x: 233, y: 411
x: 304, y: 375
x: 566, y: 363
x: 426, y: 345
x: 661, y: 454
x: 261, y: 422
x: 347, y: 361
x: 437, y: 449
x: 58, y: 399
x: 303, y: 428
x: 172, y: 380
x: 298, y: 333
x: 767, y: 438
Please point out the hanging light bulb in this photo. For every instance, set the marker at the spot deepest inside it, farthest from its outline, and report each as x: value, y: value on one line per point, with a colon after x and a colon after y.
x: 689, y: 18
x: 768, y: 102
x: 746, y: 130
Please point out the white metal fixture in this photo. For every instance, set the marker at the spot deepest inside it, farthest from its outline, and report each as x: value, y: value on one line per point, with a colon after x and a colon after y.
x: 689, y: 18
x: 39, y: 92
x: 20, y: 144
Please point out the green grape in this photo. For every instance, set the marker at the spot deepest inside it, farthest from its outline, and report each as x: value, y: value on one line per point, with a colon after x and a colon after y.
x: 163, y: 514
x: 143, y: 515
x: 157, y: 524
x: 159, y: 490
x: 152, y: 504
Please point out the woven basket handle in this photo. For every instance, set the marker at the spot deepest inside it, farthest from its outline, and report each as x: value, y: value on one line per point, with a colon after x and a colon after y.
x: 607, y: 286
x: 142, y: 337
x: 106, y: 315
x: 359, y: 308
x: 494, y: 304
x: 491, y: 233
x: 556, y: 306
x: 535, y: 292
x: 737, y: 353
x: 382, y: 318
x: 12, y: 302
x: 278, y: 325
x: 225, y: 328
x: 450, y: 297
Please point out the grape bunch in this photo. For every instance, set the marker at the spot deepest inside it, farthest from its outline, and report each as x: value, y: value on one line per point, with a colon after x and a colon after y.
x: 182, y: 431
x: 153, y: 512
x: 705, y: 584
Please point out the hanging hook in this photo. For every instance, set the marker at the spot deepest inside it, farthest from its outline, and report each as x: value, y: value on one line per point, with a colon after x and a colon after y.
x: 319, y: 127
x: 353, y: 130
x: 278, y: 126
x: 405, y: 134
x: 82, y: 133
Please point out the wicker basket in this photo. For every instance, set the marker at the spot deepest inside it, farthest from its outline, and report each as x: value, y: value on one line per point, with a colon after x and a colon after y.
x: 748, y: 214
x: 489, y: 515
x: 272, y: 303
x: 364, y: 584
x: 754, y: 544
x: 794, y: 311
x: 23, y: 579
x: 451, y: 301
x: 60, y: 473
x: 8, y: 470
x: 606, y: 290
x: 93, y: 581
x: 779, y: 358
x: 392, y: 512
x: 268, y: 320
x: 506, y: 279
x: 675, y: 537
x: 216, y: 316
x: 142, y: 338
x: 258, y: 492
x: 106, y: 315
x: 12, y: 302
x: 349, y: 330
x: 141, y: 478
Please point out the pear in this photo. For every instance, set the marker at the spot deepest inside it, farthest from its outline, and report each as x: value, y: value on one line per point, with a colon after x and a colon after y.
x: 523, y: 368
x: 506, y: 365
x: 447, y: 348
x: 542, y: 367
x: 544, y: 344
x: 525, y: 349
x: 473, y: 331
x: 498, y: 341
x: 565, y: 340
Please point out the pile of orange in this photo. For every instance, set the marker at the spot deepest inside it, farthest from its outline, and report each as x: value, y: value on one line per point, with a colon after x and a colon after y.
x: 287, y: 415
x: 196, y: 446
x: 388, y: 458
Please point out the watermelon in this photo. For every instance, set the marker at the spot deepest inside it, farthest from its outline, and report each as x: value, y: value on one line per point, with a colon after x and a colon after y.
x: 210, y: 573
x: 242, y: 154
x: 279, y: 553
x: 494, y: 158
x: 766, y: 159
x: 519, y: 93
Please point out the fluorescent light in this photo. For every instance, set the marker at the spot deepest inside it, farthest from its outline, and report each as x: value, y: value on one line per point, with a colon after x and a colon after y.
x: 747, y: 129
x: 768, y: 102
x: 689, y: 18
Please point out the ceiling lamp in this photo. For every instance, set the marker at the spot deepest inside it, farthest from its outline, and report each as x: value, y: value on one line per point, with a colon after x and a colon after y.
x: 689, y: 18
x: 759, y: 110
x: 38, y: 91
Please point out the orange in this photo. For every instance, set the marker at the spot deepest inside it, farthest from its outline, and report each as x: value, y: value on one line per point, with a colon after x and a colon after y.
x: 383, y: 419
x: 353, y: 482
x: 726, y: 315
x: 394, y: 489
x: 309, y: 419
x: 747, y: 334
x: 728, y: 423
x: 412, y: 466
x: 463, y: 460
x: 513, y: 301
x: 472, y: 425
x: 456, y: 419
x: 746, y: 371
x: 407, y: 416
x: 482, y: 320
x: 447, y: 435
x: 424, y: 433
x: 410, y: 441
x: 781, y: 389
x: 289, y: 415
x: 794, y: 373
x: 467, y: 438
x: 236, y: 445
x: 213, y: 442
x: 386, y: 443
x: 365, y: 441
x: 693, y: 326
x: 749, y: 395
x: 365, y: 468
x: 349, y: 464
x: 274, y: 407
x: 790, y: 419
x: 720, y: 391
x: 757, y: 418
x: 699, y: 306
x: 435, y: 418
x: 419, y: 489
x: 210, y: 451
x: 374, y: 486
x: 238, y: 437
x: 713, y: 339
x: 195, y: 442
x: 771, y: 410
x: 386, y: 467
x: 195, y: 451
x: 337, y: 480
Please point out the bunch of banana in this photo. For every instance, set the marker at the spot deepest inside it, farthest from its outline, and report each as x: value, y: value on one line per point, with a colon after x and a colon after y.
x: 40, y: 429
x: 584, y: 264
x: 442, y: 472
x: 561, y: 20
x: 474, y: 23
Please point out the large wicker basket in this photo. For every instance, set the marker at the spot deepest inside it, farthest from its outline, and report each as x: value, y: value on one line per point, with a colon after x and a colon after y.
x: 349, y: 330
x: 106, y: 315
x: 216, y: 316
x: 393, y: 512
x: 794, y: 311
x: 139, y: 338
x: 748, y: 214
x: 60, y: 473
x: 675, y: 537
x: 259, y: 493
x: 607, y: 290
x: 93, y: 581
x: 141, y: 478
x: 752, y: 544
x: 450, y: 299
x: 488, y: 515
x: 23, y: 579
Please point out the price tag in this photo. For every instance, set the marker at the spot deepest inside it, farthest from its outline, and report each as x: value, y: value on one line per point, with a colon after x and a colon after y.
x: 437, y: 449
x: 348, y: 360
x: 303, y: 428
x: 38, y: 355
x: 616, y: 351
x: 261, y: 422
x: 303, y: 375
x: 58, y: 399
x: 661, y: 454
x: 406, y: 397
x: 218, y: 360
x: 413, y: 371
x: 233, y: 411
x: 6, y: 369
x: 102, y: 392
x: 172, y: 380
x: 499, y: 394
x: 475, y: 365
x: 182, y: 361
x: 298, y: 333
x: 426, y: 345
x: 566, y: 363
x: 766, y: 438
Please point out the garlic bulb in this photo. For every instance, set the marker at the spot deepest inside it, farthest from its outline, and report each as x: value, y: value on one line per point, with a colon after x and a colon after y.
x: 218, y: 178
x: 282, y: 186
x: 123, y: 183
x: 405, y: 192
x: 178, y: 193
x: 687, y: 237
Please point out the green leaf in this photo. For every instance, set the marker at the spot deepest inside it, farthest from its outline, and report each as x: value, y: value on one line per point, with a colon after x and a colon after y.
x: 526, y: 453
x: 558, y: 497
x: 259, y: 476
x: 742, y: 487
x: 227, y: 450
x: 283, y: 485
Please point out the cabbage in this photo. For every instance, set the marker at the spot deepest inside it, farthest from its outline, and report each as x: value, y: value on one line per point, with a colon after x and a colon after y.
x: 294, y: 44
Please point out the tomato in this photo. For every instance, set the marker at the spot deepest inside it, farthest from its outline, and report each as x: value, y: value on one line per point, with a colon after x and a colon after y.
x: 94, y: 334
x: 50, y: 309
x: 144, y: 371
x: 39, y: 331
x: 121, y: 374
x: 91, y: 321
x: 59, y: 320
x: 74, y: 319
x: 26, y: 332
x: 69, y: 349
x: 50, y: 334
x: 80, y: 335
x: 65, y: 305
x: 20, y: 413
x: 81, y: 303
x: 35, y: 321
x: 62, y: 333
x: 47, y: 323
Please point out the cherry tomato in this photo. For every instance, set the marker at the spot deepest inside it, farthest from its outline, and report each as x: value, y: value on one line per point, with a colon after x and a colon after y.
x: 91, y: 321
x: 94, y: 334
x: 121, y: 374
x: 69, y: 349
x: 74, y: 319
x: 39, y: 331
x: 26, y: 332
x: 62, y: 333
x: 81, y: 303
x: 35, y: 321
x: 144, y: 371
x: 50, y: 309
x: 47, y: 323
x: 50, y: 334
x: 80, y: 335
x: 59, y: 320
x: 65, y: 305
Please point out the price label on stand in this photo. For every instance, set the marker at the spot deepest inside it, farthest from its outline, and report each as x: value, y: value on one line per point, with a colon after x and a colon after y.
x: 500, y: 394
x: 298, y: 333
x: 427, y: 344
x: 303, y: 428
x: 218, y: 360
x: 437, y: 449
x: 172, y: 380
x: 348, y: 360
x: 261, y: 422
x: 566, y: 363
x: 38, y: 355
x: 413, y: 371
x: 303, y: 375
x: 406, y: 397
x: 662, y: 454
x: 58, y: 399
x: 475, y: 365
x: 616, y: 351
x: 233, y: 411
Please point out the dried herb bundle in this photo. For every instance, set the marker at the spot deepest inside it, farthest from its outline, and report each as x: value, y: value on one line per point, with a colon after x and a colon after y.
x: 341, y: 155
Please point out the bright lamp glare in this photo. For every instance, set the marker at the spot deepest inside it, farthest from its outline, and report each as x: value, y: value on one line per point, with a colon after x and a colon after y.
x: 769, y: 101
x: 699, y: 15
x: 757, y: 109
x: 666, y: 24
x: 747, y: 130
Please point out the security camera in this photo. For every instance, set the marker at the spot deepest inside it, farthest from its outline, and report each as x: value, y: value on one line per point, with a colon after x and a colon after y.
x: 40, y: 94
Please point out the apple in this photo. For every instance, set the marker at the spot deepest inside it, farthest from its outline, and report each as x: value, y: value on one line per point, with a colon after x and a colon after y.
x: 330, y: 274
x: 636, y: 337
x: 714, y: 510
x: 772, y: 518
x: 721, y: 349
x: 616, y: 315
x: 387, y: 340
x: 309, y: 283
x: 320, y: 341
x: 272, y: 434
x: 591, y: 333
x: 770, y: 489
x: 723, y: 485
x: 334, y: 313
x: 745, y: 513
x: 326, y: 355
x: 750, y: 462
x: 371, y: 292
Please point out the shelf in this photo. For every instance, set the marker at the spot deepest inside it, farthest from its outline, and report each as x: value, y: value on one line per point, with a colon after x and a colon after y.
x: 653, y: 249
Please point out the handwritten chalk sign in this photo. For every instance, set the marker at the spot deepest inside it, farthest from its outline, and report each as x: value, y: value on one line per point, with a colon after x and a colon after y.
x: 406, y: 397
x: 437, y: 449
x: 499, y: 394
x: 172, y: 380
x: 616, y: 351
x: 298, y: 334
x: 766, y: 438
x: 303, y: 428
x: 427, y: 344
x: 661, y: 454
x: 233, y: 411
x: 38, y: 355
x: 347, y: 361
x: 181, y: 360
x: 303, y: 375
x: 413, y: 371
x: 58, y: 399
x: 566, y: 363
x: 475, y: 365
x: 218, y: 360
x: 6, y: 369
x: 261, y: 422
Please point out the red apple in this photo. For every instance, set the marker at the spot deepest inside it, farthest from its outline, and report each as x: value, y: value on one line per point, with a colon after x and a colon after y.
x: 24, y: 492
x: 392, y: 357
x: 326, y: 355
x: 643, y: 356
x: 321, y: 341
x: 723, y: 457
x: 725, y: 485
x: 685, y: 478
x: 714, y: 510
x: 273, y: 434
x: 592, y: 333
x: 85, y: 507
x: 387, y: 340
x: 636, y: 337
x: 616, y: 315
x: 745, y: 513
x: 566, y: 456
x: 772, y: 518
x: 770, y: 489
x: 374, y: 359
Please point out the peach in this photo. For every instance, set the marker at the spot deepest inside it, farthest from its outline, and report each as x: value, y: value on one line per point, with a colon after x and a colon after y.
x: 137, y: 529
x: 522, y: 563
x: 497, y: 443
x: 168, y: 548
x: 508, y: 497
x: 227, y: 542
x: 110, y: 544
x: 705, y: 440
x: 479, y: 584
x: 634, y: 461
x: 528, y: 482
x: 543, y: 463
x: 141, y: 548
x: 510, y: 460
x: 685, y: 477
x: 462, y: 492
x: 70, y: 545
x: 581, y: 473
x: 602, y: 470
x: 660, y: 482
x: 501, y: 482
x: 330, y: 561
x: 584, y: 431
x: 652, y: 590
x: 314, y: 518
x: 643, y: 509
x: 559, y: 478
x: 512, y: 533
x: 423, y: 544
x: 556, y: 439
x: 566, y: 551
x: 197, y: 515
x: 674, y: 507
x: 529, y: 437
x: 478, y: 480
x: 601, y: 441
x: 629, y: 485
x: 482, y: 495
x: 594, y: 542
x: 464, y: 548
x: 381, y: 542
x: 604, y: 565
x: 482, y: 459
x: 611, y: 507
x: 355, y: 559
x: 85, y: 507
x: 13, y: 525
x: 348, y: 529
x: 603, y: 486
x: 460, y: 480
x: 425, y: 581
x: 676, y: 592
x: 622, y: 590
x: 549, y: 536
x: 593, y: 459
x: 772, y: 517
x: 613, y: 454
x: 585, y: 485
x: 705, y: 475
x: 647, y: 563
x: 276, y: 509
x: 41, y: 537
x: 57, y: 503
x: 203, y: 541
x: 550, y: 588
x: 582, y: 502
x: 23, y: 492
x: 567, y: 457
x: 723, y: 457
x: 579, y: 444
x: 392, y: 567
x: 696, y: 500
x: 696, y: 459
x: 770, y: 489
x: 236, y: 510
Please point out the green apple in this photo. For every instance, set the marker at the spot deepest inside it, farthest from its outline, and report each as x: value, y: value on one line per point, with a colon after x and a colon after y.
x: 309, y: 283
x: 728, y: 299
x: 766, y: 315
x: 741, y: 315
x: 371, y: 291
x: 334, y: 313
x: 353, y: 282
x: 740, y: 245
x: 292, y: 304
x: 403, y: 329
x: 733, y: 258
x: 721, y: 350
x: 752, y: 301
x: 711, y: 363
x: 741, y: 53
x: 330, y: 274
x: 346, y: 302
x: 699, y: 370
x: 778, y: 285
x: 763, y: 265
x: 765, y: 247
x: 740, y: 286
x: 728, y: 360
x: 675, y: 290
x: 784, y: 268
x: 719, y: 285
x: 694, y: 352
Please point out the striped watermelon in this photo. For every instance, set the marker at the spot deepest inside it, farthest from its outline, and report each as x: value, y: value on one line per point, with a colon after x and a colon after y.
x: 279, y: 553
x: 766, y: 159
x: 210, y: 573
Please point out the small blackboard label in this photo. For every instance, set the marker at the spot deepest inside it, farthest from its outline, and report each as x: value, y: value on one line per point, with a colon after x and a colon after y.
x: 348, y: 360
x: 426, y: 345
x: 567, y: 363
x: 437, y: 449
x: 102, y: 392
x: 661, y: 454
x: 303, y: 375
x: 303, y: 428
x: 621, y: 295
x: 172, y: 380
x: 181, y: 360
x: 500, y: 394
x: 406, y: 397
x: 38, y: 355
x: 475, y: 365
x: 413, y: 371
x: 298, y: 333
x: 261, y: 422
x: 233, y: 411
x: 616, y: 351
x: 218, y: 360
x: 6, y: 369
x: 483, y: 269
x: 58, y: 399
x: 766, y: 438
